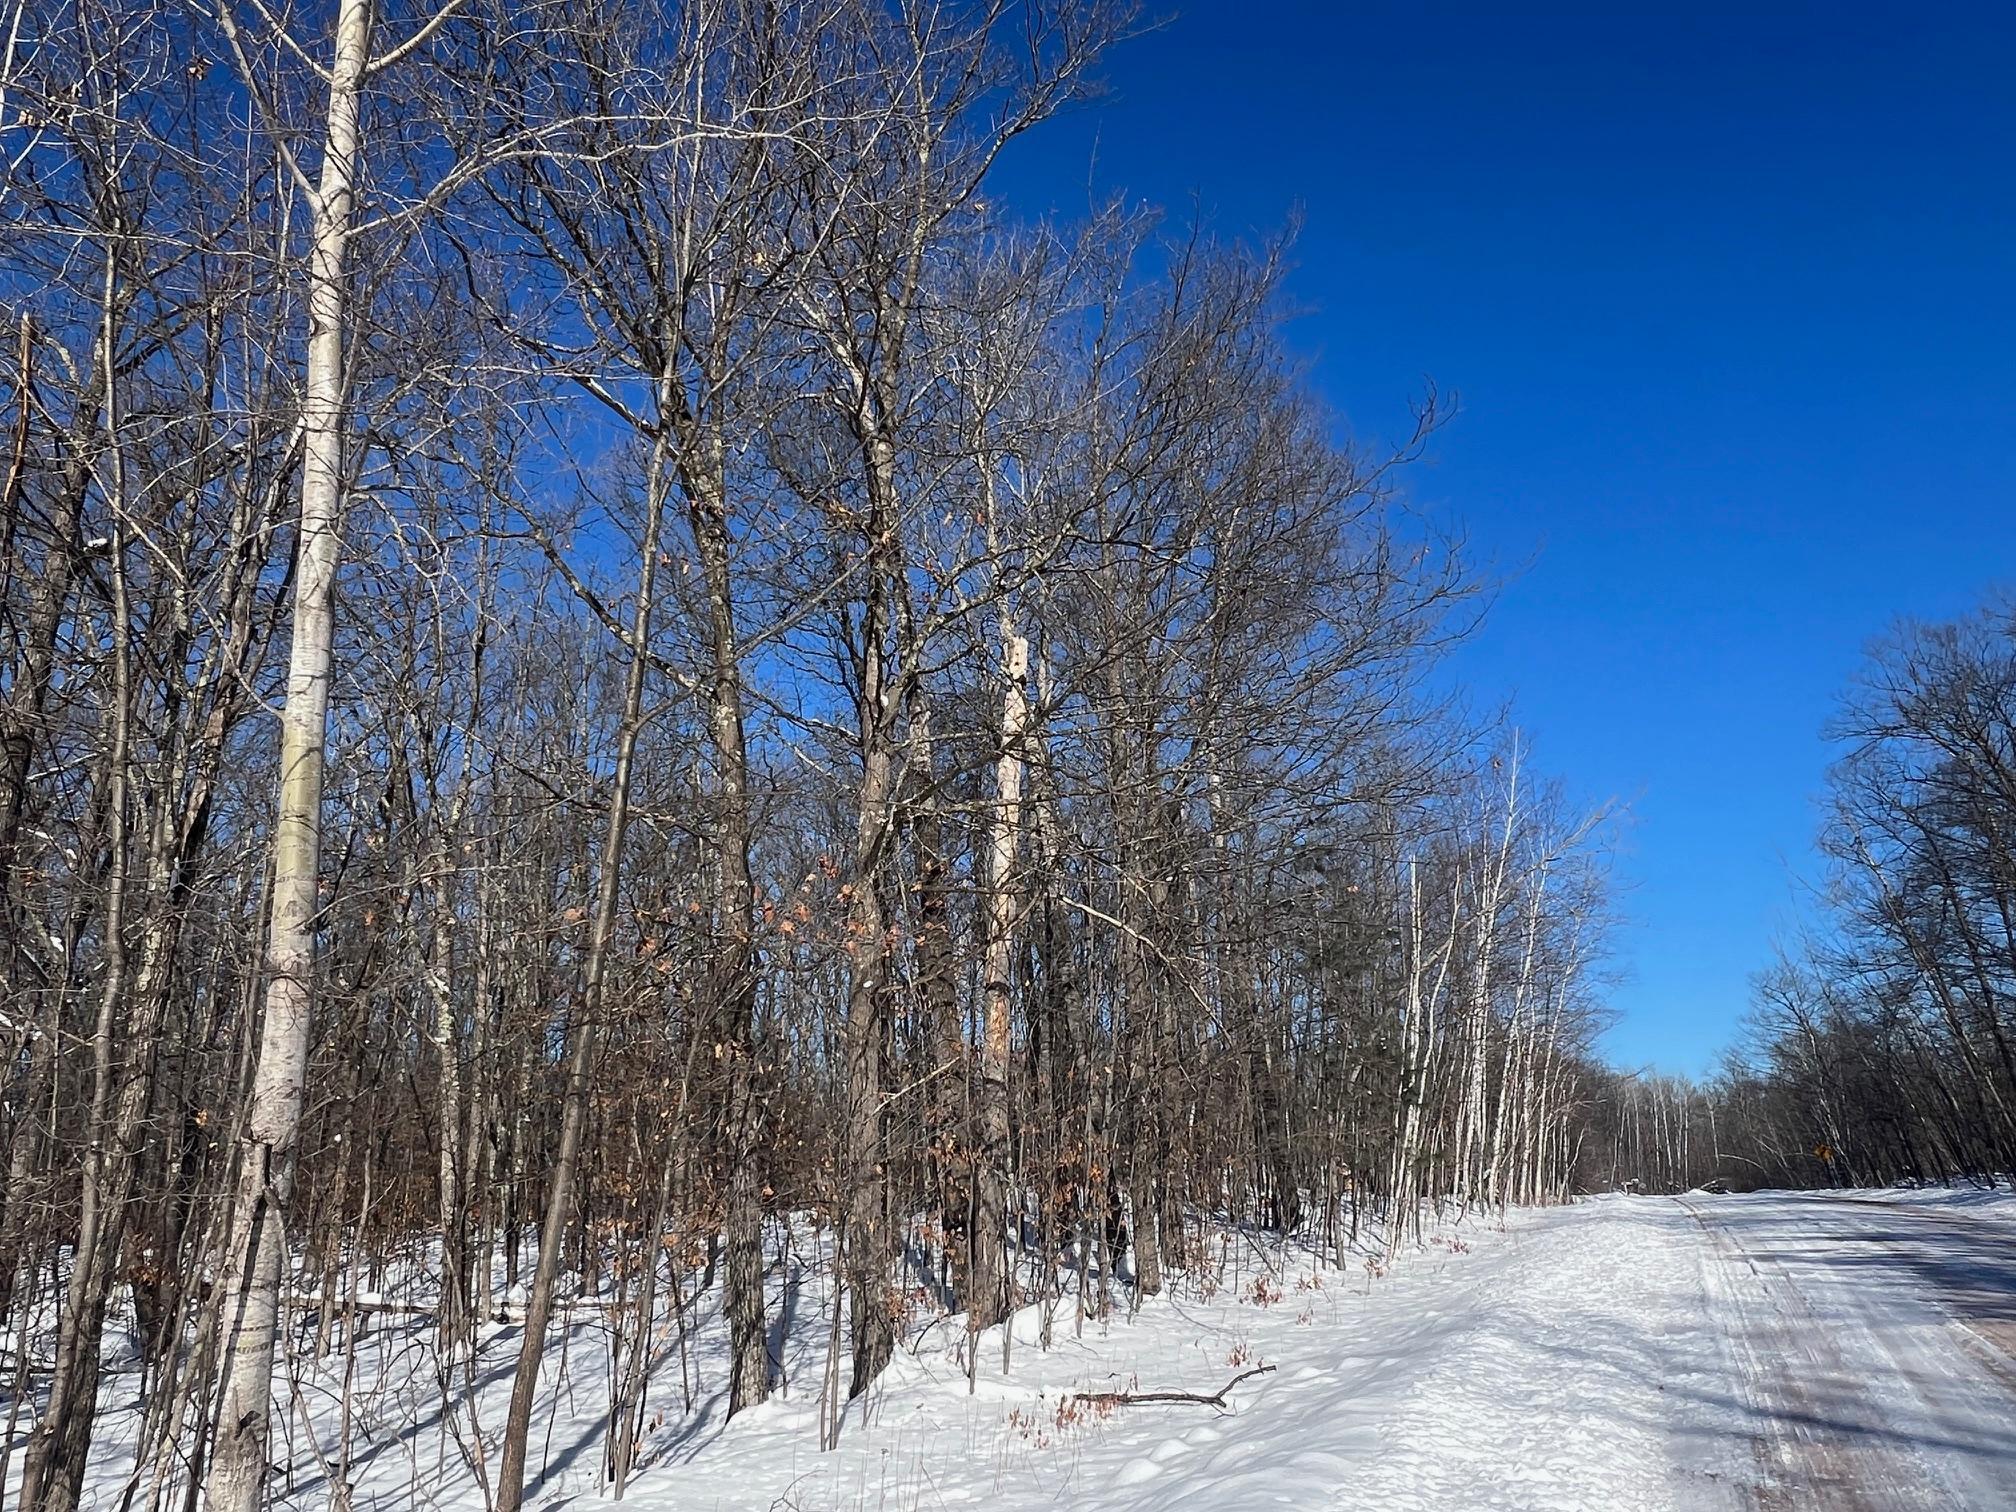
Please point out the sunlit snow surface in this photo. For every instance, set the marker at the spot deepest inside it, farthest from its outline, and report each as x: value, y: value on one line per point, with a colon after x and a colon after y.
x: 1772, y: 1351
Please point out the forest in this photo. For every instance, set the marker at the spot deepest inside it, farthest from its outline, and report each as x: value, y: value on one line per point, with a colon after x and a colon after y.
x: 607, y: 661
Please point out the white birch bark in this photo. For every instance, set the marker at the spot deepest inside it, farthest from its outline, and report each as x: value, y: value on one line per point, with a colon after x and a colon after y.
x: 993, y: 1292
x: 250, y: 1314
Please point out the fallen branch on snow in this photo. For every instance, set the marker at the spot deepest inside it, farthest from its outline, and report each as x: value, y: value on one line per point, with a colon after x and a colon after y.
x: 1193, y: 1398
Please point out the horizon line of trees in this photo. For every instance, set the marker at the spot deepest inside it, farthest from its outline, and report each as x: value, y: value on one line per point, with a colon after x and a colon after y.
x: 1882, y: 1048
x: 600, y: 651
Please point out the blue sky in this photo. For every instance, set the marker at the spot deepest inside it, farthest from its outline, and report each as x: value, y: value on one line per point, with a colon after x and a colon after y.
x: 1729, y: 297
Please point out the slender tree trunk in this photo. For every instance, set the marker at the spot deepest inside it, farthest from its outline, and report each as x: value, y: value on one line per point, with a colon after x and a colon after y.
x: 733, y: 988
x: 21, y: 709
x: 478, y: 1162
x: 993, y: 1291
x: 584, y: 1025
x: 53, y: 1474
x: 941, y: 1027
x: 452, y: 1313
x: 869, y: 1243
x: 250, y: 1314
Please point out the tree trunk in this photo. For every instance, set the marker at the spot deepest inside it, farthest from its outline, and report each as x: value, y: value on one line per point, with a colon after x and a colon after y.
x: 993, y: 1290
x: 583, y: 1026
x: 250, y: 1314
x: 869, y: 1243
x: 733, y: 988
x: 53, y: 1475
x: 452, y: 1313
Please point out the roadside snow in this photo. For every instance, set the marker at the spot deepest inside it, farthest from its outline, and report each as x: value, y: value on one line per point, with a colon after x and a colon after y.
x: 1547, y: 1365
x: 1997, y: 1201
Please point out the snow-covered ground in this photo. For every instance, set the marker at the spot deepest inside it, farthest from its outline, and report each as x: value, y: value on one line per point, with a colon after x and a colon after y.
x: 1522, y: 1367
x: 1998, y: 1200
x: 1874, y: 1336
x: 1626, y: 1353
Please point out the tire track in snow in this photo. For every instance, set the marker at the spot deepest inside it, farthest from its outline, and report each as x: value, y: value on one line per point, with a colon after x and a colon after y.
x: 1866, y: 1335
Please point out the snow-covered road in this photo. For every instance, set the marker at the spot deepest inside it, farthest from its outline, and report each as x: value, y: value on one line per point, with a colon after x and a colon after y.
x: 1871, y: 1343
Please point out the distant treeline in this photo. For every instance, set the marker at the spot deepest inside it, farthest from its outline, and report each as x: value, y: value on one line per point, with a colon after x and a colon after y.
x: 1882, y: 1048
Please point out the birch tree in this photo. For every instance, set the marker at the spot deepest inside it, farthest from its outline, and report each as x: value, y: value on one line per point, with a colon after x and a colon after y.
x: 252, y: 1278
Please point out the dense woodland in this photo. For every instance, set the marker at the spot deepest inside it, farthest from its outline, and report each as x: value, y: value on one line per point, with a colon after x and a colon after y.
x: 602, y: 653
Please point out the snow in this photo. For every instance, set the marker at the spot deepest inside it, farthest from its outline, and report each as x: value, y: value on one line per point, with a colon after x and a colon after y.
x: 1874, y: 1349
x: 1998, y: 1200
x: 1616, y: 1354
x: 1517, y: 1367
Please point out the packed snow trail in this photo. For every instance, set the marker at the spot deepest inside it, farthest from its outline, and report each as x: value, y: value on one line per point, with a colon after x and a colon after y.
x: 1876, y: 1348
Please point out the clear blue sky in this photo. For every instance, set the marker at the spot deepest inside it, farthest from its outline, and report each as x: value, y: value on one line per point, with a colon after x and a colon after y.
x: 1729, y: 296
